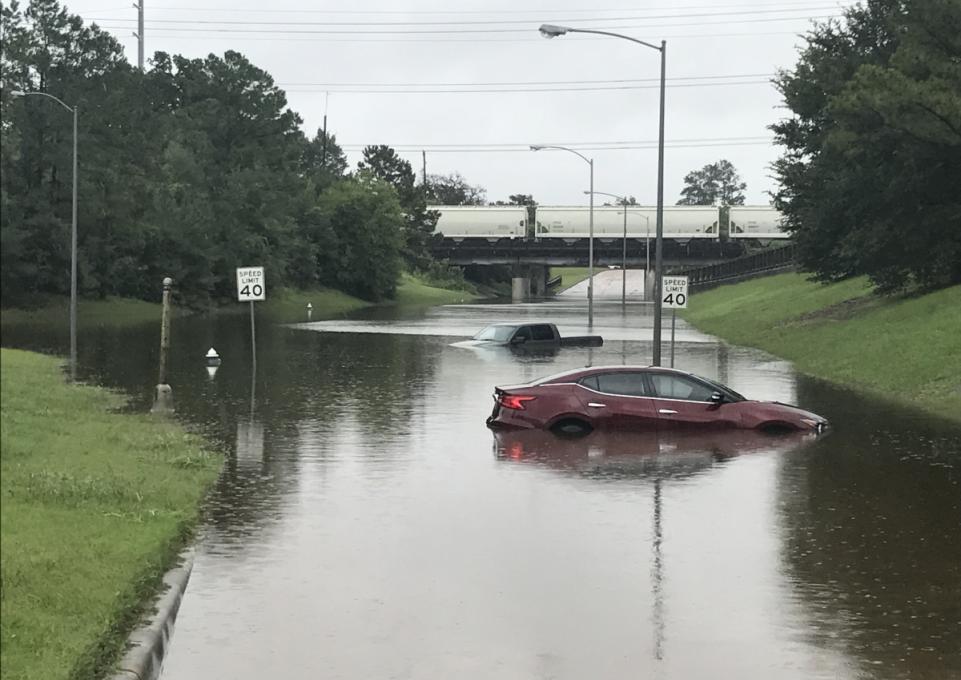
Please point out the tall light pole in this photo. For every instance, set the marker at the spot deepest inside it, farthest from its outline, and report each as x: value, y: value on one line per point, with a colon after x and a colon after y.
x: 623, y: 201
x: 551, y: 31
x: 73, y: 234
x: 590, y: 239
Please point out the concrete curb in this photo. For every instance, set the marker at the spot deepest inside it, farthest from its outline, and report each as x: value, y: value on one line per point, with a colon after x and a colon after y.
x: 147, y: 645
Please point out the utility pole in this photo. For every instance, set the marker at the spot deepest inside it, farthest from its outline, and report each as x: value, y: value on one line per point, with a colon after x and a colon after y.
x: 423, y: 159
x: 323, y: 154
x: 139, y: 33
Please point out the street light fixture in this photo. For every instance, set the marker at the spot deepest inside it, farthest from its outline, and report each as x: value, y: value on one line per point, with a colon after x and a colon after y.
x: 552, y: 31
x: 590, y: 239
x: 73, y: 232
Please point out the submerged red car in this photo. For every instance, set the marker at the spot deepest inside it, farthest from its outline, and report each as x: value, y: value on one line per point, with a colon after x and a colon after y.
x: 639, y: 397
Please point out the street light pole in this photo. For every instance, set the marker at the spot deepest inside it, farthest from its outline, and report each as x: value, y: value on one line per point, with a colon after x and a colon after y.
x: 73, y: 233
x: 623, y: 201
x: 590, y: 240
x: 552, y: 31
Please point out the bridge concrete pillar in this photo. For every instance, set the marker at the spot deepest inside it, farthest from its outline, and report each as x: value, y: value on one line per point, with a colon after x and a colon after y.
x: 539, y: 275
x: 649, y: 285
x: 520, y: 289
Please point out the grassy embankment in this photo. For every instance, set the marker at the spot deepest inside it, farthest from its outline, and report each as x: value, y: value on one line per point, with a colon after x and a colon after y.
x: 569, y: 276
x: 905, y: 348
x: 96, y: 505
x: 281, y: 306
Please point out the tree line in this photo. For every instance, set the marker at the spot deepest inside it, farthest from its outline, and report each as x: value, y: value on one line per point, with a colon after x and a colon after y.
x: 198, y: 166
x: 189, y: 170
x: 871, y: 177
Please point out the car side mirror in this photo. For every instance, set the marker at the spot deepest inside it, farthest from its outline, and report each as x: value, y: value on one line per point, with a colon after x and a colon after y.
x: 717, y: 398
x: 518, y: 340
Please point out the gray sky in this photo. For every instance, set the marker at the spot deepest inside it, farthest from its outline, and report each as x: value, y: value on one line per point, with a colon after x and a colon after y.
x: 343, y: 48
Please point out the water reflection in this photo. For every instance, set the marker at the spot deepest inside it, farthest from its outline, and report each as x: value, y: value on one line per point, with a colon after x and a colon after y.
x: 871, y: 542
x: 363, y: 528
x: 652, y: 454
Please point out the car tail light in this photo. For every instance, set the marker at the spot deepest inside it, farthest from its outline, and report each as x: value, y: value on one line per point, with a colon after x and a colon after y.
x: 513, y: 401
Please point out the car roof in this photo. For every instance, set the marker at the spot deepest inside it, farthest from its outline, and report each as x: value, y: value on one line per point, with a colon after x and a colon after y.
x: 577, y: 373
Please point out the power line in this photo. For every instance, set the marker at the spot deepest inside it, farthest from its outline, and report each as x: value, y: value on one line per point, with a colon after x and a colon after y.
x: 288, y: 31
x: 526, y: 149
x: 530, y: 89
x: 460, y: 41
x: 230, y: 22
x: 432, y: 146
x: 540, y: 12
x: 531, y: 82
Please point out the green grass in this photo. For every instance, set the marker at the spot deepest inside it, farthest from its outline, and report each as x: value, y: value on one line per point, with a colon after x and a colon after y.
x: 569, y: 276
x: 289, y: 306
x: 96, y: 505
x: 108, y: 312
x: 903, y: 348
x: 412, y: 290
x: 282, y: 305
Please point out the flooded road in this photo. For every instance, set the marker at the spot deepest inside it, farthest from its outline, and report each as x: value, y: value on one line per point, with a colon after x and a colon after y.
x: 368, y: 525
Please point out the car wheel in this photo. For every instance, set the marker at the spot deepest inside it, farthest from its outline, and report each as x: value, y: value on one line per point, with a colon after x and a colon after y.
x: 571, y: 427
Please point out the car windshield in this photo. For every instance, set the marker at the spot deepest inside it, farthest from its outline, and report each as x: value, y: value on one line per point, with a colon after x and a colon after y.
x: 497, y: 333
x: 722, y: 388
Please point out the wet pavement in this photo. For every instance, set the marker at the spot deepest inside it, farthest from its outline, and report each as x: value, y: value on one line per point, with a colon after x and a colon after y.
x: 368, y: 525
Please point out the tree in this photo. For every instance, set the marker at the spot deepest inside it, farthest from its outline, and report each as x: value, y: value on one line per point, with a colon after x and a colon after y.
x: 870, y: 175
x: 518, y: 199
x: 714, y: 184
x: 382, y: 162
x: 364, y: 218
x: 453, y: 189
x: 323, y: 160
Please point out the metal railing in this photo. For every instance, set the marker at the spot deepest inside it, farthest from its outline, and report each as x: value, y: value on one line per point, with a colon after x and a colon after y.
x: 740, y: 268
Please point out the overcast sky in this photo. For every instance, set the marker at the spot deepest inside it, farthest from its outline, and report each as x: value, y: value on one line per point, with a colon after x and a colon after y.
x: 372, y: 56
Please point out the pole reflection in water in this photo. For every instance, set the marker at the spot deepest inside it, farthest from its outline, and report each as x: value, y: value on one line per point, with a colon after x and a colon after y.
x: 657, y: 576
x: 364, y: 530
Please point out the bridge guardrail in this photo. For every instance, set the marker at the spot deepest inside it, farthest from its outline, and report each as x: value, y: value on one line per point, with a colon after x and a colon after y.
x: 766, y: 261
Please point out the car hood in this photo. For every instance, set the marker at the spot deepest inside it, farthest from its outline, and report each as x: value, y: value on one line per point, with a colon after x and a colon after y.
x: 790, y: 410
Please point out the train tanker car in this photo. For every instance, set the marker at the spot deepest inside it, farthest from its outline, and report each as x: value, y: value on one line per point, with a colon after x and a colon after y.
x: 680, y: 222
x: 492, y: 222
x: 757, y: 221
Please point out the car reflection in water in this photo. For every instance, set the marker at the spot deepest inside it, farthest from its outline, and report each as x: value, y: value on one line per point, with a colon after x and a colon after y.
x: 613, y: 453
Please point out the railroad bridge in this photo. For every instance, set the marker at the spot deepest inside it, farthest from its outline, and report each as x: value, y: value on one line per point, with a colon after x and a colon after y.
x: 531, y: 259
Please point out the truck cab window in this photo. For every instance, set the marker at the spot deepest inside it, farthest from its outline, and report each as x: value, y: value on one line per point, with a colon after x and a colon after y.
x: 542, y: 332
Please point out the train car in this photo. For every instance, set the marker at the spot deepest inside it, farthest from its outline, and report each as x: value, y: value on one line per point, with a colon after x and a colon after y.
x: 680, y: 222
x: 481, y: 221
x: 757, y: 221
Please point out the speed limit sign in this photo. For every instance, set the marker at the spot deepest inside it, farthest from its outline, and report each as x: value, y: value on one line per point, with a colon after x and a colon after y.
x: 250, y: 284
x: 674, y: 292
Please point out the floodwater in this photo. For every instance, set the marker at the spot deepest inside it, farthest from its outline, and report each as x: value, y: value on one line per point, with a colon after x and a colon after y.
x: 368, y: 525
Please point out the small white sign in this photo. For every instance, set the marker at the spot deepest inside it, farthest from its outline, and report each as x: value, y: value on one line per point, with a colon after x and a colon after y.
x: 674, y: 292
x: 251, y: 284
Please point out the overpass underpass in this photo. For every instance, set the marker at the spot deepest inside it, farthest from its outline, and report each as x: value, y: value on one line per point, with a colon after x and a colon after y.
x: 574, y: 252
x: 530, y: 259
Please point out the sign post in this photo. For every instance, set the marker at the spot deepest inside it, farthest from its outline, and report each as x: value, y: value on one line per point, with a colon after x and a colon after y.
x: 674, y: 297
x: 251, y: 287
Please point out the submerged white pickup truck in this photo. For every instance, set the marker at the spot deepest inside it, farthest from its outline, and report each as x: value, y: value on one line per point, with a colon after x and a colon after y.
x: 533, y: 336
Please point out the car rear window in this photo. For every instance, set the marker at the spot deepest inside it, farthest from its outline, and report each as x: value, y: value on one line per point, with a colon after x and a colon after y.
x: 629, y: 384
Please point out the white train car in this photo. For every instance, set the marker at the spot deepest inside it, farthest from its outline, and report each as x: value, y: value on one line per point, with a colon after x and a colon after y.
x: 680, y: 222
x: 757, y: 221
x: 481, y: 221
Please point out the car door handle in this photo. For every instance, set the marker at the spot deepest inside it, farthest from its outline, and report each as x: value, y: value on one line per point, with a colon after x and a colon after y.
x: 594, y: 404
x: 666, y: 411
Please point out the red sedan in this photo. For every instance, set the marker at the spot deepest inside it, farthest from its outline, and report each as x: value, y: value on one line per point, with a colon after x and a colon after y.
x: 636, y: 397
